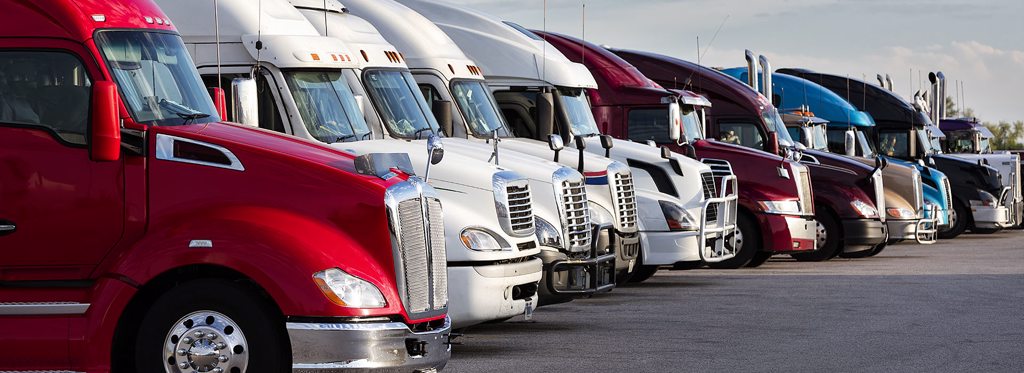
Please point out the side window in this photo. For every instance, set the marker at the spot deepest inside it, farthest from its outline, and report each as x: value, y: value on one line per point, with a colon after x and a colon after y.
x: 520, y: 111
x: 745, y: 134
x: 429, y: 93
x: 894, y: 144
x: 45, y: 89
x: 796, y: 134
x: 270, y: 117
x: 836, y: 141
x: 648, y: 124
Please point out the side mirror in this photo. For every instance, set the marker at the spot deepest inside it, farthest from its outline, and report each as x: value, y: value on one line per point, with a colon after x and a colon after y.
x: 105, y: 129
x: 581, y: 144
x: 219, y: 102
x: 850, y: 143
x: 666, y: 153
x: 244, y: 102
x: 556, y: 144
x: 435, y: 152
x: 773, y: 143
x: 545, y: 113
x: 443, y: 113
x: 690, y: 151
x: 675, y: 121
x: 607, y: 143
x: 806, y: 137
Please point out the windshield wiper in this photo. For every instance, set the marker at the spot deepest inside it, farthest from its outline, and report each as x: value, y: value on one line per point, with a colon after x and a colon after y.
x: 342, y: 138
x: 419, y: 131
x: 182, y: 111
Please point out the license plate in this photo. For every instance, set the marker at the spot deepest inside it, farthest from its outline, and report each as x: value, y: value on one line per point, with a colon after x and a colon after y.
x: 528, y: 313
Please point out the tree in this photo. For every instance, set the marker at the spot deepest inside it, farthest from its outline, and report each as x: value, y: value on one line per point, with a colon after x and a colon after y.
x: 1006, y: 135
x: 954, y: 112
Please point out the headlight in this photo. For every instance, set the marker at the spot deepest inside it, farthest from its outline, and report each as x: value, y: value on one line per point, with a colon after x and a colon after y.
x: 547, y: 235
x: 900, y: 213
x: 346, y: 290
x: 864, y: 209
x: 780, y: 207
x: 678, y: 219
x: 987, y: 199
x: 480, y: 240
x: 599, y: 215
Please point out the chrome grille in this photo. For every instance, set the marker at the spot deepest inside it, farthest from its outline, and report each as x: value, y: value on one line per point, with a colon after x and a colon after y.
x: 417, y: 226
x: 947, y: 193
x: 514, y: 203
x: 877, y: 183
x: 710, y: 191
x: 803, y: 180
x: 414, y: 256
x: 625, y: 200
x: 918, y: 193
x: 576, y: 214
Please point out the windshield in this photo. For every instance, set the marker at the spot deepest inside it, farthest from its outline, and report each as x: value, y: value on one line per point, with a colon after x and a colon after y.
x: 960, y: 141
x: 400, y: 104
x: 984, y: 146
x: 774, y: 122
x: 926, y: 142
x: 692, y: 128
x: 477, y: 106
x: 156, y: 78
x: 577, y: 109
x: 818, y: 140
x: 326, y: 105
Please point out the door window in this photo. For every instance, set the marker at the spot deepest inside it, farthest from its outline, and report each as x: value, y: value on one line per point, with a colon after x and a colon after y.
x: 649, y: 124
x: 45, y: 89
x: 894, y: 144
x: 745, y: 134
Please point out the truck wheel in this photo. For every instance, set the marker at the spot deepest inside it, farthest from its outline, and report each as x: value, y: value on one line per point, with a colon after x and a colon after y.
x: 828, y: 239
x: 985, y: 230
x: 642, y: 273
x: 957, y: 221
x: 204, y: 325
x: 748, y: 244
x: 866, y: 253
x: 759, y: 259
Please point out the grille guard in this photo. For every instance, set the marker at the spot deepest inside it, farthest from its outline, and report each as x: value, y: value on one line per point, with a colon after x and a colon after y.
x: 724, y: 226
x: 600, y: 265
x: 927, y: 229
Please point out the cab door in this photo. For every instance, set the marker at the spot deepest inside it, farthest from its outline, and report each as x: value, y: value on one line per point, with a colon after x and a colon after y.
x: 60, y: 212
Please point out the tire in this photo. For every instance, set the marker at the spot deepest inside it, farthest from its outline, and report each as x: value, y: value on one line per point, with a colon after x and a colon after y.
x: 985, y: 230
x: 958, y: 221
x: 642, y: 273
x: 828, y: 246
x: 623, y: 276
x: 749, y: 241
x: 245, y: 329
x: 866, y: 253
x: 759, y: 259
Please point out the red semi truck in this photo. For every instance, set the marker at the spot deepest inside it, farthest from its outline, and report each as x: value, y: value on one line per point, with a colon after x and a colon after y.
x: 628, y: 105
x: 141, y: 234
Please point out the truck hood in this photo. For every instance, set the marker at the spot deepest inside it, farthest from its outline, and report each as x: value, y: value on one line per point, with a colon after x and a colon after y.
x: 455, y: 169
x: 737, y: 149
x: 569, y: 156
x: 529, y: 166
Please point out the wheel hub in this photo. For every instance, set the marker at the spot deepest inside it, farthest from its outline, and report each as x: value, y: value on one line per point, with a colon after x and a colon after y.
x: 822, y: 235
x: 205, y: 341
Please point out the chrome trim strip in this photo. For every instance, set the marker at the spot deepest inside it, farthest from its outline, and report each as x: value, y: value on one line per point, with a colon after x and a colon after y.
x: 7, y: 227
x: 165, y: 151
x: 42, y: 308
x: 366, y: 326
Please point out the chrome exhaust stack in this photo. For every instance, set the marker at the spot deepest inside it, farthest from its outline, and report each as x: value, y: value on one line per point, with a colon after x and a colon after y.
x: 766, y: 79
x: 752, y: 71
x: 941, y: 98
x: 888, y: 81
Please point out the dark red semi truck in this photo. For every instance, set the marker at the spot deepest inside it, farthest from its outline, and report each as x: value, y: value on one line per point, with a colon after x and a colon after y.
x: 776, y: 213
x: 139, y: 233
x: 845, y: 192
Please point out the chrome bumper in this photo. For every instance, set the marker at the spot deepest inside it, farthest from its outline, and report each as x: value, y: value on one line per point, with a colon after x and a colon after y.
x: 367, y: 347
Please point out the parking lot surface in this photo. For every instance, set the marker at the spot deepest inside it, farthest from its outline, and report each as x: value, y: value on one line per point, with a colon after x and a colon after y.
x: 957, y: 305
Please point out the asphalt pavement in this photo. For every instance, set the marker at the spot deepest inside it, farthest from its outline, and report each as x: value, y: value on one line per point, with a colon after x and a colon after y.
x: 955, y: 306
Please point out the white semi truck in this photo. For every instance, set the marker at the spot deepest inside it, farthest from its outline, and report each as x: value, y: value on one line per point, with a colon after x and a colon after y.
x: 562, y: 261
x: 524, y: 72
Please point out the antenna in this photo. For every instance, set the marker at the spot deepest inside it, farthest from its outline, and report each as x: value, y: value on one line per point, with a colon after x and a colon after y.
x: 848, y: 119
x: 216, y: 23
x: 259, y: 37
x: 956, y: 98
x: 713, y: 38
x: 583, y: 39
x: 326, y: 33
x: 544, y: 65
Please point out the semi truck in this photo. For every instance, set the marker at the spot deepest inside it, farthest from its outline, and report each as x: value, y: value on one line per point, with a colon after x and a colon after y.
x: 908, y: 212
x: 186, y: 243
x: 550, y: 104
x: 776, y: 212
x: 901, y: 132
x: 845, y: 193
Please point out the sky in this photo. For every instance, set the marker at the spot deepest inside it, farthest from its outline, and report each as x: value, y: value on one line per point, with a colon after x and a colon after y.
x: 979, y: 43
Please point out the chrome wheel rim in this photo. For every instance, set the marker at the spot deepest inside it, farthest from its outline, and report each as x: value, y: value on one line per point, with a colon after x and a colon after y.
x: 739, y: 240
x: 822, y: 235
x: 952, y: 218
x: 205, y: 341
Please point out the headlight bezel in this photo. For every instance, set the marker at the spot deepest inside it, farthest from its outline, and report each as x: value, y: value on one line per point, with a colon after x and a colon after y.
x: 334, y: 281
x: 900, y: 213
x: 677, y: 218
x: 783, y: 207
x: 483, y: 236
x: 547, y: 234
x: 864, y: 209
x: 987, y: 200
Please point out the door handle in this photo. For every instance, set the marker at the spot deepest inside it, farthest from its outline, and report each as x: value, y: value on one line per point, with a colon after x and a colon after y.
x: 7, y: 227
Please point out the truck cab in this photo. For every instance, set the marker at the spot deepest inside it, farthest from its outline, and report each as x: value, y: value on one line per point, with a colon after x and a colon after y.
x: 901, y: 129
x: 177, y: 250
x: 520, y: 92
x: 322, y: 94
